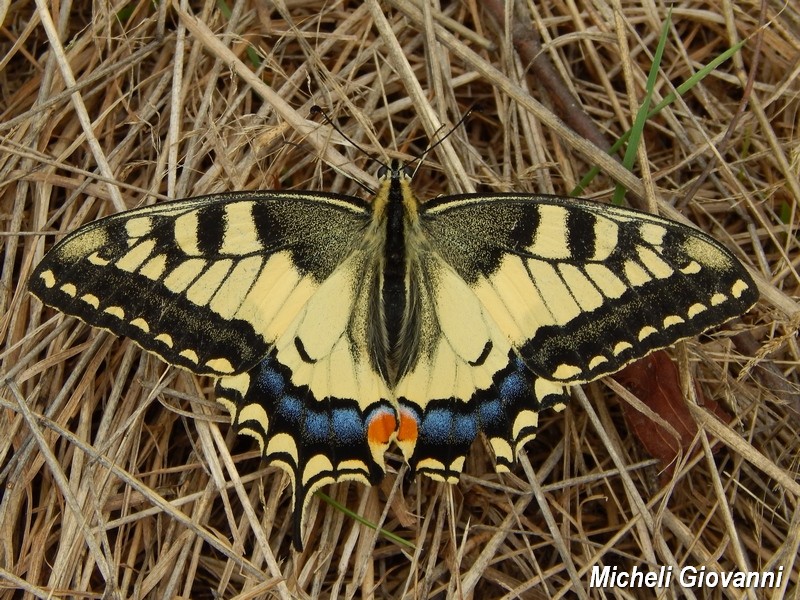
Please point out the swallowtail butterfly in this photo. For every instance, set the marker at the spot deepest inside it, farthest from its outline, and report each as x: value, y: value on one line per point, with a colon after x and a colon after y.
x: 336, y: 326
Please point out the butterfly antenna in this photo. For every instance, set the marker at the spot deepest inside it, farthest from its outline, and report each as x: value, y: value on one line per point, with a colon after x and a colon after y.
x: 460, y: 122
x: 317, y: 110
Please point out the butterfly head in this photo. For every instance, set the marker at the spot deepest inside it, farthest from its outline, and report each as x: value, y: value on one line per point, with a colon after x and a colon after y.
x: 394, y: 198
x: 395, y: 170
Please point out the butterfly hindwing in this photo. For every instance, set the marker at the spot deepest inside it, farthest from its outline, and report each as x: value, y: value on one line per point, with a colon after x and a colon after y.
x: 466, y: 378
x: 316, y: 404
x: 316, y: 441
x: 506, y: 412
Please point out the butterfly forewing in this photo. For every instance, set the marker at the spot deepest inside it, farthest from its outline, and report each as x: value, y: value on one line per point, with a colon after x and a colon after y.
x: 582, y: 288
x: 208, y: 283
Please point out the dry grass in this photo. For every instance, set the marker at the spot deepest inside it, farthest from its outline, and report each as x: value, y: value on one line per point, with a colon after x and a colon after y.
x: 121, y: 476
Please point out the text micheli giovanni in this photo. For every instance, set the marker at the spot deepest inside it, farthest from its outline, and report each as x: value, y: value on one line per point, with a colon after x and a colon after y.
x: 687, y: 577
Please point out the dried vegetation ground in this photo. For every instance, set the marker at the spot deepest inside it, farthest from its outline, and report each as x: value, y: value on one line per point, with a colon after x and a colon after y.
x: 121, y: 478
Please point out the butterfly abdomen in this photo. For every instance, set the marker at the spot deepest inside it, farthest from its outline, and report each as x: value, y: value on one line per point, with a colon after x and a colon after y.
x: 395, y: 267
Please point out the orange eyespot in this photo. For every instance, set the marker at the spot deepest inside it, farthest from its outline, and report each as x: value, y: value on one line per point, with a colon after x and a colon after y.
x: 381, y: 427
x: 409, y: 429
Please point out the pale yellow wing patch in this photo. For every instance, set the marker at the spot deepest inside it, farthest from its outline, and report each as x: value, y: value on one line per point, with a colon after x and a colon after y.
x: 461, y: 346
x: 325, y: 346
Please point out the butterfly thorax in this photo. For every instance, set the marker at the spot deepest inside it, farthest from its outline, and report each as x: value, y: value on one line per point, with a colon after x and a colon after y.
x: 395, y: 214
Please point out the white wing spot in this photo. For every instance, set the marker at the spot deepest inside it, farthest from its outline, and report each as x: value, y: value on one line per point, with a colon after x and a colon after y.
x: 141, y: 324
x: 691, y: 269
x: 239, y: 383
x: 564, y: 371
x: 652, y: 234
x: 165, y: 339
x: 220, y: 365
x: 49, y: 278
x: 621, y: 347
x: 672, y: 320
x: 254, y: 412
x: 230, y: 406
x: 189, y: 355
x: 283, y: 443
x: 69, y: 289
x: 316, y: 465
x: 91, y: 300
x: 138, y: 227
x: 738, y: 288
x: 434, y: 468
x: 355, y: 465
x: 115, y: 311
x: 543, y: 388
x: 646, y: 332
x: 502, y: 449
x: 458, y: 464
x: 597, y: 361
x: 718, y: 299
x: 525, y: 419
x: 695, y: 309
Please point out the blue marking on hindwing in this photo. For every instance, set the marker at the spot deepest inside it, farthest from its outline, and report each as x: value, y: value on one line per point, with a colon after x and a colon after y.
x: 465, y: 428
x: 515, y: 386
x: 316, y: 427
x: 290, y: 408
x: 444, y: 424
x: 436, y: 424
x: 490, y: 412
x: 344, y: 425
x: 272, y: 382
x: 348, y: 425
x: 316, y: 421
